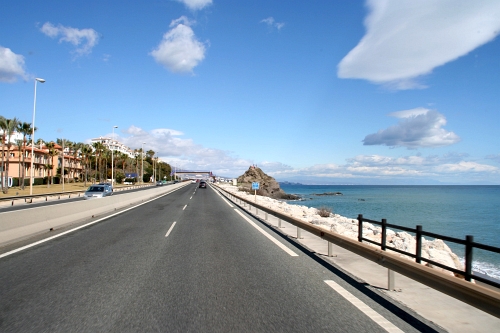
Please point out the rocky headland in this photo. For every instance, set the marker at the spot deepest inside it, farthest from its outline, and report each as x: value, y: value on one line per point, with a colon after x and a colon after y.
x: 268, y: 186
x: 435, y: 249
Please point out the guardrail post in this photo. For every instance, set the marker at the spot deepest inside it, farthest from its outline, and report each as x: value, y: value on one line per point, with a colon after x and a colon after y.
x: 391, y: 280
x: 384, y: 234
x: 418, y: 250
x: 330, y: 249
x: 279, y: 223
x: 468, y: 257
x: 265, y: 216
x: 360, y: 227
x: 299, y: 236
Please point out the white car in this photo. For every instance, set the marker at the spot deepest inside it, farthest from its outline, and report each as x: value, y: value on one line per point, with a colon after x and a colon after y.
x: 98, y: 191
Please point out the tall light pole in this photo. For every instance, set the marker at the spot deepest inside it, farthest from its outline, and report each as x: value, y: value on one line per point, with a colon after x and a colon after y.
x: 33, y: 137
x: 142, y: 163
x: 112, y: 158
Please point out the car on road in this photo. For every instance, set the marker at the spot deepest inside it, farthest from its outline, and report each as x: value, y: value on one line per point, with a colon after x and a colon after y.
x: 203, y: 184
x: 159, y: 183
x: 98, y: 191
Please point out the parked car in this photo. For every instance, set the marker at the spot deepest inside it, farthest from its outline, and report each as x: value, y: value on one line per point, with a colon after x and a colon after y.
x: 203, y: 184
x: 98, y: 191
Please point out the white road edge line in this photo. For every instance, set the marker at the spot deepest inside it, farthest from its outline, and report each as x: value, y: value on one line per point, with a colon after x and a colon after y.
x: 271, y: 238
x: 223, y: 198
x: 80, y: 227
x: 372, y: 314
x: 169, y: 230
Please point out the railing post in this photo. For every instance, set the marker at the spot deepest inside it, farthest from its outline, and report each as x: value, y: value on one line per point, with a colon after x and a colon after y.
x: 279, y: 223
x: 360, y: 227
x: 468, y: 257
x: 330, y: 249
x: 265, y: 216
x: 384, y: 234
x: 391, y: 280
x: 299, y: 236
x: 418, y: 250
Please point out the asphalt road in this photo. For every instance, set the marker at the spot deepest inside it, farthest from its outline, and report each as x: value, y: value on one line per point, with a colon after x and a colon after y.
x: 186, y: 262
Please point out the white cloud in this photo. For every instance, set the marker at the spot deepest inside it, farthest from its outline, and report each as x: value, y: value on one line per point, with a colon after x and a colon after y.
x: 83, y: 39
x: 418, y: 128
x: 406, y: 39
x: 172, y: 148
x: 272, y: 23
x: 11, y: 65
x: 377, y: 169
x: 466, y: 166
x: 196, y: 4
x: 179, y: 51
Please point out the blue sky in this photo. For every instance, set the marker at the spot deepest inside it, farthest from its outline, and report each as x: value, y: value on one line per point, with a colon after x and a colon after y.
x: 348, y: 92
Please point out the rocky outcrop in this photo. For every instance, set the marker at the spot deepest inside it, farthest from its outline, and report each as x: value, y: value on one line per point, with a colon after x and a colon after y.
x: 268, y: 186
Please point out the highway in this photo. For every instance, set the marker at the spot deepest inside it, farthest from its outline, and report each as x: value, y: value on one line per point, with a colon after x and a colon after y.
x: 189, y: 261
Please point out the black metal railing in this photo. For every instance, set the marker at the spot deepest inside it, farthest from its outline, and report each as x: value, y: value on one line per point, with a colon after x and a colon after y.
x: 468, y: 242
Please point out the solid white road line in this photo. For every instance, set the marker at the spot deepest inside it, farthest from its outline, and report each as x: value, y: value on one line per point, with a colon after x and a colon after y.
x: 372, y: 314
x: 169, y: 230
x: 271, y: 238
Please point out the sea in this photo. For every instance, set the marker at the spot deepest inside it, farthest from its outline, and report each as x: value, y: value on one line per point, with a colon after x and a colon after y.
x: 454, y: 211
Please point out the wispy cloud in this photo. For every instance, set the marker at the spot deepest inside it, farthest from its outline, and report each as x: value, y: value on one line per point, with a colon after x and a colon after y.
x: 418, y: 128
x: 83, y: 39
x: 179, y: 51
x: 196, y: 4
x: 406, y: 39
x: 272, y: 23
x: 11, y: 66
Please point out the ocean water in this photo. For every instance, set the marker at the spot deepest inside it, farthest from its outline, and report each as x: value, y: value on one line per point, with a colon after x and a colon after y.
x: 454, y: 211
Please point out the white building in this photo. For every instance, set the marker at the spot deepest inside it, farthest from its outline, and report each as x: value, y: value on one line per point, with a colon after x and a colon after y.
x: 114, y: 145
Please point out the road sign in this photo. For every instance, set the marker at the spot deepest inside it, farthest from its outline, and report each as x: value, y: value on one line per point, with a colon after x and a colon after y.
x: 255, y: 185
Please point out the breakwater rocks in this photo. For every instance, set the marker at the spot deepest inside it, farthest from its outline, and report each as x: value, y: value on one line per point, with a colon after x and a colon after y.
x: 435, y: 250
x: 327, y: 193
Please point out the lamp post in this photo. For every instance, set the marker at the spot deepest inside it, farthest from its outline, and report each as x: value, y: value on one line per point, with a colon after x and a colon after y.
x: 112, y: 158
x: 33, y: 137
x: 142, y: 163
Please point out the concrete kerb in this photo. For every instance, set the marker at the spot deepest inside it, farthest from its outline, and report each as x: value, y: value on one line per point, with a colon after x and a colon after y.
x: 21, y: 224
x: 448, y: 312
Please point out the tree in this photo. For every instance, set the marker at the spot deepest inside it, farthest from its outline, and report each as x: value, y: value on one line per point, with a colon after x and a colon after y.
x: 8, y: 127
x: 98, y: 151
x: 26, y: 130
x: 86, y: 153
x: 52, y: 153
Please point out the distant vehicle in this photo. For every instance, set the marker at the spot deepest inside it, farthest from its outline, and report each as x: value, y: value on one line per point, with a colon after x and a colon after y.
x: 203, y: 184
x: 193, y: 181
x: 98, y: 191
x: 159, y: 183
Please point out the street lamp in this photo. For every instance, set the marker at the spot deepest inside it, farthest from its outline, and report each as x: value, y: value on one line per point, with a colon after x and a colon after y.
x: 112, y: 158
x: 33, y: 137
x: 142, y: 163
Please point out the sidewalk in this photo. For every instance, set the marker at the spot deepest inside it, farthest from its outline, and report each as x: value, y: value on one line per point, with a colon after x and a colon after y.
x: 443, y: 310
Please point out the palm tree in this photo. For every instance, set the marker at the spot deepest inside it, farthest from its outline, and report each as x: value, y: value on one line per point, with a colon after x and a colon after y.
x: 98, y: 151
x: 52, y: 153
x: 86, y: 153
x: 26, y: 130
x: 8, y: 126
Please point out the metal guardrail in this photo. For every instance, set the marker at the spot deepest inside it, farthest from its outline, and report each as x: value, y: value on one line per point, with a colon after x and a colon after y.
x: 62, y: 194
x: 480, y: 297
x: 419, y: 233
